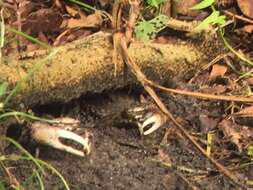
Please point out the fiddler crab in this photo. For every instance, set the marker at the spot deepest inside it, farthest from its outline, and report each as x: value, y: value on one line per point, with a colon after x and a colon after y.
x: 148, y: 119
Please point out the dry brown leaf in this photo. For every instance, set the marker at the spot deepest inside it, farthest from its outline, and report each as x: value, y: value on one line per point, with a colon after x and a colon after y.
x: 76, y: 22
x: 70, y: 35
x: 92, y: 21
x: 232, y: 132
x: 72, y: 11
x: 207, y: 123
x: 246, y: 6
x: 248, y: 28
x: 61, y: 38
x: 216, y: 89
x: 217, y: 71
x: 233, y: 85
x: 246, y: 112
x: 250, y: 81
x: 240, y: 135
x: 59, y: 4
x: 26, y: 7
x: 43, y: 20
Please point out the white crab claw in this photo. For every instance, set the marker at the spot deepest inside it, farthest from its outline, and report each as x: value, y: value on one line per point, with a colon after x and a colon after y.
x: 50, y: 135
x: 67, y: 123
x: 156, y: 121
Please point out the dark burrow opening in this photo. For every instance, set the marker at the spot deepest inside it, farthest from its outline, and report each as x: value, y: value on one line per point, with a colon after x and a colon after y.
x: 121, y: 158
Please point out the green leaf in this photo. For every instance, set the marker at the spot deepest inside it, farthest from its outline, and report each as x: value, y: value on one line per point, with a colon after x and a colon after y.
x: 155, y: 3
x: 146, y: 30
x: 2, y: 186
x: 221, y: 20
x: 3, y: 88
x: 250, y: 150
x: 160, y: 21
x: 212, y: 19
x: 203, y: 4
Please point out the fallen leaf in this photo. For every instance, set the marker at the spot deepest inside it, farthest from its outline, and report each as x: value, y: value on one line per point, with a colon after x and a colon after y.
x: 216, y: 89
x: 229, y: 130
x: 76, y: 22
x: 248, y: 28
x: 43, y: 20
x: 26, y: 7
x: 217, y: 71
x: 250, y: 81
x: 59, y: 4
x: 245, y: 112
x: 72, y: 11
x: 246, y: 6
x: 233, y: 85
x: 92, y: 21
x: 240, y: 135
x: 207, y: 123
x: 70, y: 35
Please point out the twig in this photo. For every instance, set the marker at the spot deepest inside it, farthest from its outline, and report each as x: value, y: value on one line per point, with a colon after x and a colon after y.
x: 18, y: 14
x: 201, y: 95
x: 133, y: 15
x: 146, y: 84
x: 123, y: 44
x: 238, y: 17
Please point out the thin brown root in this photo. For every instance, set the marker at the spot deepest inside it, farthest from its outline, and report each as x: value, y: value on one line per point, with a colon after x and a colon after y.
x: 147, y: 86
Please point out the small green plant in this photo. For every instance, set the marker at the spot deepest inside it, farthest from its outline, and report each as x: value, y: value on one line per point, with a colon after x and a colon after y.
x: 155, y: 3
x: 3, y: 89
x: 250, y: 151
x: 2, y: 186
x: 147, y: 30
x: 216, y: 19
x: 5, y: 96
x: 40, y: 166
x: 213, y: 19
x: 203, y: 4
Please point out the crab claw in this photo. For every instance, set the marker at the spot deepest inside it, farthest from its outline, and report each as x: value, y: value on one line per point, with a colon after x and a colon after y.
x: 67, y: 123
x: 50, y: 135
x: 148, y: 118
x: 152, y: 123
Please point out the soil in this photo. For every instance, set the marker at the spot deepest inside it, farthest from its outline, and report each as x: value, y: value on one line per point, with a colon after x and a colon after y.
x: 121, y: 158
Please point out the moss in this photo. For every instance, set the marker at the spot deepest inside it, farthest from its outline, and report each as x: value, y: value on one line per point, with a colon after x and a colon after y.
x: 87, y: 66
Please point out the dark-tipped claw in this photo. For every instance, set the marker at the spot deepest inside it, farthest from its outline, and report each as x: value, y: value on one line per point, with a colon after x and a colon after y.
x: 149, y: 118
